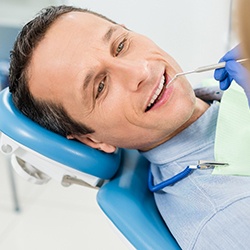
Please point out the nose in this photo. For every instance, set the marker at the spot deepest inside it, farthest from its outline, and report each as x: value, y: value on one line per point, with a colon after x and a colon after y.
x: 130, y: 73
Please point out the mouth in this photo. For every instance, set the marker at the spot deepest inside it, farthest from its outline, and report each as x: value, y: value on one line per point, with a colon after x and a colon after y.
x: 158, y: 93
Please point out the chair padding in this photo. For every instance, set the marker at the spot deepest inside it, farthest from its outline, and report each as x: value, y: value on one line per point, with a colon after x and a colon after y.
x: 129, y: 204
x: 68, y: 152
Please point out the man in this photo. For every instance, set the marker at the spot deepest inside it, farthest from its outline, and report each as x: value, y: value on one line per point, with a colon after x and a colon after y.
x: 87, y: 78
x: 89, y: 84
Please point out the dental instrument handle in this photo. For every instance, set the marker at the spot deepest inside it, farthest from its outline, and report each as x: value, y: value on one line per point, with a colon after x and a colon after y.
x: 216, y: 66
x: 206, y: 68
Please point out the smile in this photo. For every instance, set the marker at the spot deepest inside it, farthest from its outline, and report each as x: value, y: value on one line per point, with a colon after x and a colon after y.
x: 158, y: 93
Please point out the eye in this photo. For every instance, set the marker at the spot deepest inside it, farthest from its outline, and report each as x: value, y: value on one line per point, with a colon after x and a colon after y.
x: 120, y: 47
x: 100, y: 88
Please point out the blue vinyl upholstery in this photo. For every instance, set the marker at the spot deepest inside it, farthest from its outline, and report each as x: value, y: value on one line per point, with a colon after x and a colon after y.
x: 129, y: 204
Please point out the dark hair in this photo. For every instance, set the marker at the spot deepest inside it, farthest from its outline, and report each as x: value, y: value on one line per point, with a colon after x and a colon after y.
x: 46, y: 113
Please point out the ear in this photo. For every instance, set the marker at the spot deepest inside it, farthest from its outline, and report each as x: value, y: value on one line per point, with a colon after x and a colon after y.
x: 93, y: 143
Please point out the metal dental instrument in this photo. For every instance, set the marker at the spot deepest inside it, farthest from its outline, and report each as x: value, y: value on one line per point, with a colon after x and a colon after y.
x: 205, y: 68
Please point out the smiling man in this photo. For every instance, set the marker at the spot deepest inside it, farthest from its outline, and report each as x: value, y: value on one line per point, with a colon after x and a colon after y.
x: 85, y: 77
x: 112, y: 80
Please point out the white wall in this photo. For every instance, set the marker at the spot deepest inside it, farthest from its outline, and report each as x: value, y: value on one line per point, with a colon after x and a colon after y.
x: 195, y: 32
x: 15, y: 13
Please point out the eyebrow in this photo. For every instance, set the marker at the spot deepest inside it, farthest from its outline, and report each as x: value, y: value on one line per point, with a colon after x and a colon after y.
x: 86, y: 82
x: 88, y: 79
x: 107, y: 36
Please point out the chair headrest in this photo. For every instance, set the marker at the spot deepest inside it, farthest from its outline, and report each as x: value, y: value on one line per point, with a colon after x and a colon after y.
x: 56, y: 147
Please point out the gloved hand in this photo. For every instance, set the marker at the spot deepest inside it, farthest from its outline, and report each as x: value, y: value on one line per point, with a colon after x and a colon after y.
x: 233, y: 71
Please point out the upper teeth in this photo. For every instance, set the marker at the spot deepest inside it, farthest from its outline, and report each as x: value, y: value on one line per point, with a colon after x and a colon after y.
x: 157, y: 92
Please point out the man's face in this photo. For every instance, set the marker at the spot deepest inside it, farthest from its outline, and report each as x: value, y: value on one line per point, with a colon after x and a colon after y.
x: 111, y: 79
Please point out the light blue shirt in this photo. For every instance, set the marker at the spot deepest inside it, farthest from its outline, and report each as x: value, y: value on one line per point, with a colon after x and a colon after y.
x: 203, y: 211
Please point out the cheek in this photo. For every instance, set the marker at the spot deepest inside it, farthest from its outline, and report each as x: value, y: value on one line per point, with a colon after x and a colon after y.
x: 113, y: 119
x: 115, y: 105
x: 110, y: 115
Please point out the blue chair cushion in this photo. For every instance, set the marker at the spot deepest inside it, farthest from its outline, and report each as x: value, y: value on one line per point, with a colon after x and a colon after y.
x: 68, y: 152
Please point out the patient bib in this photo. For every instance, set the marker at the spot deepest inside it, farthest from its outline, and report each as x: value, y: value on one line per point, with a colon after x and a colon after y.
x: 232, y: 140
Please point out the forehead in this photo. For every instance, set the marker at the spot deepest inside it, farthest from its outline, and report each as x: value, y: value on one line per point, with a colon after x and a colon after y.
x: 61, y: 52
x: 74, y: 31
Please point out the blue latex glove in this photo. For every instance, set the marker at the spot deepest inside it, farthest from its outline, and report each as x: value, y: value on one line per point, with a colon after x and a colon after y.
x: 233, y: 71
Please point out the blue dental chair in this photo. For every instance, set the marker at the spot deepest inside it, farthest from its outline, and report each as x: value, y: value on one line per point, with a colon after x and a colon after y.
x: 39, y: 155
